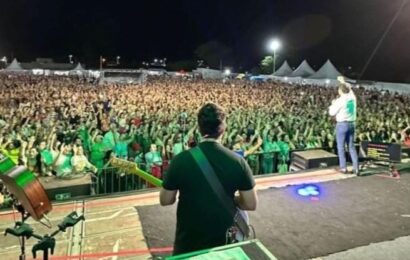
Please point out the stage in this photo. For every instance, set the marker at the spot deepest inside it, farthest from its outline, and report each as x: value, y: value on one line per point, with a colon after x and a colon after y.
x: 357, y: 214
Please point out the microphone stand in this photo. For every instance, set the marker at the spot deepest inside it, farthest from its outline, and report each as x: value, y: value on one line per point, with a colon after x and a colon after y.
x: 47, y: 242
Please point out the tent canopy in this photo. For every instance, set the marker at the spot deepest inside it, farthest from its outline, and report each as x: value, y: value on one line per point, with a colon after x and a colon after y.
x: 284, y: 70
x: 304, y: 70
x: 327, y: 71
x: 14, y: 65
x: 78, y: 67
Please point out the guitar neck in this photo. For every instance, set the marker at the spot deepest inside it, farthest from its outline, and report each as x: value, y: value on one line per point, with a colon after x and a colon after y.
x: 132, y: 168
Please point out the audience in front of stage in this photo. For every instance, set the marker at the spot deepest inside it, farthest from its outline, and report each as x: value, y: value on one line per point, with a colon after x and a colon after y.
x: 64, y: 126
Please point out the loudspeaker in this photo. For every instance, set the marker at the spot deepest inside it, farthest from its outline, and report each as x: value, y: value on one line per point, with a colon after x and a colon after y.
x: 312, y: 159
x: 62, y: 189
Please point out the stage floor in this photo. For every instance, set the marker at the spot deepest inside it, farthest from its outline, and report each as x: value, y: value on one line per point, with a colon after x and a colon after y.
x: 351, y: 212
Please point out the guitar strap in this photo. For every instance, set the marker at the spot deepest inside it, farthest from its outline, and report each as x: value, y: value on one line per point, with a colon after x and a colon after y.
x: 216, y: 186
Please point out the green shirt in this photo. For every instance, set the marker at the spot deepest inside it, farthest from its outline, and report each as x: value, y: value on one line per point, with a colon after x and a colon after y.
x: 63, y: 165
x: 121, y: 149
x: 13, y: 154
x: 269, y: 148
x: 85, y: 137
x: 177, y: 148
x: 153, y: 158
x: 47, y: 157
x: 97, y: 152
x: 109, y: 141
x: 283, y: 150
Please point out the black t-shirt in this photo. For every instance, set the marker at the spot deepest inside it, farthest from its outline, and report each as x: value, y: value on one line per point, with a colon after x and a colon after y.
x: 202, y: 220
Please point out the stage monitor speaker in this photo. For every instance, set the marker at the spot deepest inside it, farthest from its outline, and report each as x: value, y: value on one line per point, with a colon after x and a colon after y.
x: 62, y: 189
x: 312, y: 159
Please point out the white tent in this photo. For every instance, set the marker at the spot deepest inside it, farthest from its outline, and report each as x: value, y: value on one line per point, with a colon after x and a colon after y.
x: 327, y: 71
x: 14, y: 65
x: 304, y: 70
x: 78, y: 70
x: 78, y: 67
x: 284, y: 70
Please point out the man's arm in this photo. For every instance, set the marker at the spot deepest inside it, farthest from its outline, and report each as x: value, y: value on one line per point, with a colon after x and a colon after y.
x: 403, y: 133
x: 254, y: 148
x: 247, y: 200
x: 334, y: 108
x: 170, y: 186
x: 167, y: 197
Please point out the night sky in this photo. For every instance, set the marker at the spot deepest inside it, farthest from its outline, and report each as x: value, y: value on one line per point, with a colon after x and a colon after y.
x: 346, y: 31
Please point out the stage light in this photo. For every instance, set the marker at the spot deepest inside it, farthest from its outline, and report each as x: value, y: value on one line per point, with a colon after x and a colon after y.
x: 328, y: 81
x: 308, y: 191
x: 227, y: 72
x: 303, y: 192
x: 274, y: 45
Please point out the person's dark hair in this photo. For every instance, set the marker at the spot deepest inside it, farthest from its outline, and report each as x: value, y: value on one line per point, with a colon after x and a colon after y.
x: 407, y: 132
x: 211, y: 119
x: 16, y: 143
x: 344, y: 88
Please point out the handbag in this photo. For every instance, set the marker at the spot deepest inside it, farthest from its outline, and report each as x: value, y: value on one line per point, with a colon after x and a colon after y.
x: 240, y: 229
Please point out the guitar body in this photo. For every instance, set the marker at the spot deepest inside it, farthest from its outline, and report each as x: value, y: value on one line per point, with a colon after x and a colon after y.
x: 240, y: 231
x: 25, y: 187
x: 244, y: 215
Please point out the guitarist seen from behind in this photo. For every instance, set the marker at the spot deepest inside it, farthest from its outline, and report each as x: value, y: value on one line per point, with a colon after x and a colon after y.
x: 202, y: 219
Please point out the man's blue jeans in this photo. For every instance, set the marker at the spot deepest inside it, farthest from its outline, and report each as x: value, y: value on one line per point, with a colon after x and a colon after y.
x: 345, y: 134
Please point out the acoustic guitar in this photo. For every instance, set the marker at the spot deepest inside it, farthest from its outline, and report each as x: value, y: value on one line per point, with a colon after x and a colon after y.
x: 25, y: 187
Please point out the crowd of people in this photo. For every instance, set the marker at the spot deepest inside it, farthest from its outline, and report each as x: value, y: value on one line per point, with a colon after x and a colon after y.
x: 65, y: 126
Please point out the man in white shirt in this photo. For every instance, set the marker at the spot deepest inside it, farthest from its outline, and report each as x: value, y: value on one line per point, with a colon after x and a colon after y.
x: 344, y: 110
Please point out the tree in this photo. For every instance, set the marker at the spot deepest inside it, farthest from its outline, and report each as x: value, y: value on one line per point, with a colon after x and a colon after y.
x: 267, y: 65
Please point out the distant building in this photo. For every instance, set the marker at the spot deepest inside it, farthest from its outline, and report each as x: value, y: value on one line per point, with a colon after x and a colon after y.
x: 47, y: 64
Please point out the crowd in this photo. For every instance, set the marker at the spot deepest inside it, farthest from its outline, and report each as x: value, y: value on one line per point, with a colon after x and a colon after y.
x: 65, y: 126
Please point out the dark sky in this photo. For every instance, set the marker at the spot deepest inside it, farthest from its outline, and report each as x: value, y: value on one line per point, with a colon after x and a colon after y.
x: 346, y: 31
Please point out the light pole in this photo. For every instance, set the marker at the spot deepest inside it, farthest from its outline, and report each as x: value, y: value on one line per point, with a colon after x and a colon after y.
x: 274, y: 45
x: 102, y: 60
